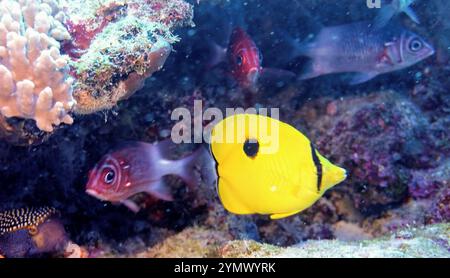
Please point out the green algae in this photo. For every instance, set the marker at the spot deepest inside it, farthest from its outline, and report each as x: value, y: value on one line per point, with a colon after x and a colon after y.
x: 128, y: 36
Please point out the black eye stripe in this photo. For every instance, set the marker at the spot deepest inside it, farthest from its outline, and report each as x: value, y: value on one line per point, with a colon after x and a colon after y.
x: 251, y: 147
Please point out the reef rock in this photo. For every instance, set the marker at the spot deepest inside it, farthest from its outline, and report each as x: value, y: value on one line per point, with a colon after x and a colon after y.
x: 119, y: 44
x: 58, y: 57
x: 431, y: 241
x: 381, y: 139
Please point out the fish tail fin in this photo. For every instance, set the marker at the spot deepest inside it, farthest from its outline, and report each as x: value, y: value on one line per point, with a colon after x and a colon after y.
x: 303, y: 45
x: 196, y: 167
x: 297, y: 47
x: 207, y: 164
x: 383, y: 17
x: 217, y: 54
x: 412, y: 14
x: 301, y: 48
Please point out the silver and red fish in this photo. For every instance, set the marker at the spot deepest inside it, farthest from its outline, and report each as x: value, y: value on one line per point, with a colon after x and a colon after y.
x: 358, y: 48
x: 138, y: 167
x: 244, y: 60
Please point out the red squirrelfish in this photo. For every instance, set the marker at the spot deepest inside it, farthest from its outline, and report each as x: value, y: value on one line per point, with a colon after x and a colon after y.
x: 244, y: 60
x: 358, y: 48
x: 139, y: 167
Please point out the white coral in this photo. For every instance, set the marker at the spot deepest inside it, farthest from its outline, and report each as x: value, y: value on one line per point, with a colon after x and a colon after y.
x: 33, y: 74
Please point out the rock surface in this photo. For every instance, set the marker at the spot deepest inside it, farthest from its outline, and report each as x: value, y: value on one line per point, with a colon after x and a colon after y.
x: 430, y: 242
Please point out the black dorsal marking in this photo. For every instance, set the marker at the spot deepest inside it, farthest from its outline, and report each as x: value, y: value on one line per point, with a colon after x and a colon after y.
x: 318, y: 166
x: 251, y: 147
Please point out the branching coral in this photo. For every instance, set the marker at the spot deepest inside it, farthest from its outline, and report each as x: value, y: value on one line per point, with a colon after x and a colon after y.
x: 33, y: 73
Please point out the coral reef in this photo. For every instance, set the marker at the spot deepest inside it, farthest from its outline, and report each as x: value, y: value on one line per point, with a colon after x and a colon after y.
x: 190, y: 243
x: 430, y: 241
x: 34, y: 81
x: 391, y: 145
x: 117, y: 45
x: 440, y: 210
x: 117, y: 62
x: 84, y: 56
x: 391, y: 134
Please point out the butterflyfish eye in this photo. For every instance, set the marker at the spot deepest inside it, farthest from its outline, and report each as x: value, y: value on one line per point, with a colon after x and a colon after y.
x: 251, y: 147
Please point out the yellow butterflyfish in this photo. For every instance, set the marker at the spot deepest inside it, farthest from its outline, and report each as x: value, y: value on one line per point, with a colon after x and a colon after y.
x: 265, y: 166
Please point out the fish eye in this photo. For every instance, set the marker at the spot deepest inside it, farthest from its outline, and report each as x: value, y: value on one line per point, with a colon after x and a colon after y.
x: 415, y: 45
x: 109, y: 176
x: 239, y: 60
x: 251, y: 147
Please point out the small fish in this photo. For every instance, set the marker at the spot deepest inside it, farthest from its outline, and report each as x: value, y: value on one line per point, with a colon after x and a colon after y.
x: 281, y: 182
x: 391, y: 8
x: 139, y: 167
x: 356, y: 48
x: 244, y: 60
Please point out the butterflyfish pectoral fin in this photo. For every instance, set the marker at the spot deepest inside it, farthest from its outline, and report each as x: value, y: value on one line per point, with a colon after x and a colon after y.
x: 283, y: 215
x: 228, y: 199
